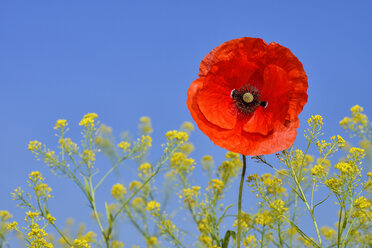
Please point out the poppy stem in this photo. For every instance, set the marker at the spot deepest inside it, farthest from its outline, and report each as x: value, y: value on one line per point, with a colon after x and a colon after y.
x: 240, y: 201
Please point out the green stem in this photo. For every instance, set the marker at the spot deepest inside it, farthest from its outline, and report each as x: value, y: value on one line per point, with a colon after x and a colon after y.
x: 240, y: 201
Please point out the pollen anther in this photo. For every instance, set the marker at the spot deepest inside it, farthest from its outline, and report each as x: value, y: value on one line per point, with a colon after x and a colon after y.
x: 248, y: 97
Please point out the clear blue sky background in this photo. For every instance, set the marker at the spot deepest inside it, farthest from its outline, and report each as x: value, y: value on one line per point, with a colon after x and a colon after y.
x: 126, y: 59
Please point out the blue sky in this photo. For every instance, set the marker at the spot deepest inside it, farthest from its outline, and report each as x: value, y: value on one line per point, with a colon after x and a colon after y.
x: 126, y: 59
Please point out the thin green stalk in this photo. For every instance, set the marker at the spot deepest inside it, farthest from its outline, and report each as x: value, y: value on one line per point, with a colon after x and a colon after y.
x: 240, y: 201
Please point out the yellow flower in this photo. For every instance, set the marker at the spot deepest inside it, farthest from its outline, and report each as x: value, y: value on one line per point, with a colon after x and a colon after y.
x: 279, y: 207
x: 317, y: 170
x: 138, y: 202
x: 344, y: 168
x: 124, y: 145
x: 345, y: 121
x: 88, y: 120
x: 328, y: 233
x: 333, y: 183
x: 362, y: 203
x: 34, y: 145
x: 67, y: 144
x: 60, y: 124
x: 356, y: 109
x: 146, y: 140
x: 216, y: 185
x: 145, y: 168
x: 176, y: 135
x: 88, y: 155
x: 264, y: 218
x: 145, y: 125
x: 152, y: 241
x: 153, y: 206
x: 315, y: 120
x: 117, y: 244
x: 12, y: 226
x: 81, y: 243
x: 187, y: 127
x: 118, y: 190
x: 5, y: 215
x: 134, y: 185
x: 50, y: 218
x: 32, y: 215
x: 249, y: 240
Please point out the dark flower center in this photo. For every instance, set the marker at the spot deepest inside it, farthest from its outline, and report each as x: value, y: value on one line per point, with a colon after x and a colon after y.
x: 247, y: 99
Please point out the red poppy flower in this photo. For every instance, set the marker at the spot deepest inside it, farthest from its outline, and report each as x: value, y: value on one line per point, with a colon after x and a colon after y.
x: 248, y: 96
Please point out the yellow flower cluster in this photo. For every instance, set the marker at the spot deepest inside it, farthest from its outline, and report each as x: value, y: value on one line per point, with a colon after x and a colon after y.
x: 361, y: 203
x: 181, y: 164
x: 217, y: 185
x: 117, y: 244
x: 187, y: 127
x: 153, y: 206
x: 134, y: 185
x: 118, y: 191
x: 328, y: 233
x: 175, y: 135
x: 50, y: 218
x: 124, y: 145
x: 317, y: 170
x: 81, y: 243
x: 34, y: 145
x: 264, y: 218
x: 88, y: 120
x: 40, y: 188
x: 346, y: 168
x: 152, y: 241
x: 278, y: 206
x: 60, y: 124
x: 88, y: 156
x: 145, y: 125
x: 273, y: 184
x: 249, y: 240
x: 146, y: 140
x: 67, y: 145
x: 189, y: 194
x: 145, y: 168
x: 207, y: 162
x: 5, y: 215
x: 315, y: 120
x: 333, y: 184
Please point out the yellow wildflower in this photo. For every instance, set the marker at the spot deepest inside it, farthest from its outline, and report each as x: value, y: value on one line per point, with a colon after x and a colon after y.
x: 249, y: 240
x: 145, y: 168
x: 216, y: 185
x: 88, y: 120
x: 12, y: 226
x: 5, y: 215
x: 117, y: 244
x: 152, y: 241
x: 344, y: 168
x: 81, y: 243
x: 317, y: 170
x: 264, y: 218
x: 146, y: 140
x: 361, y: 203
x: 328, y: 233
x: 50, y: 218
x: 34, y: 145
x: 60, y: 124
x: 176, y: 135
x: 187, y: 127
x: 333, y: 183
x: 134, y: 185
x: 118, y: 190
x: 88, y: 156
x: 279, y: 207
x: 124, y: 145
x: 153, y: 206
x: 356, y: 109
